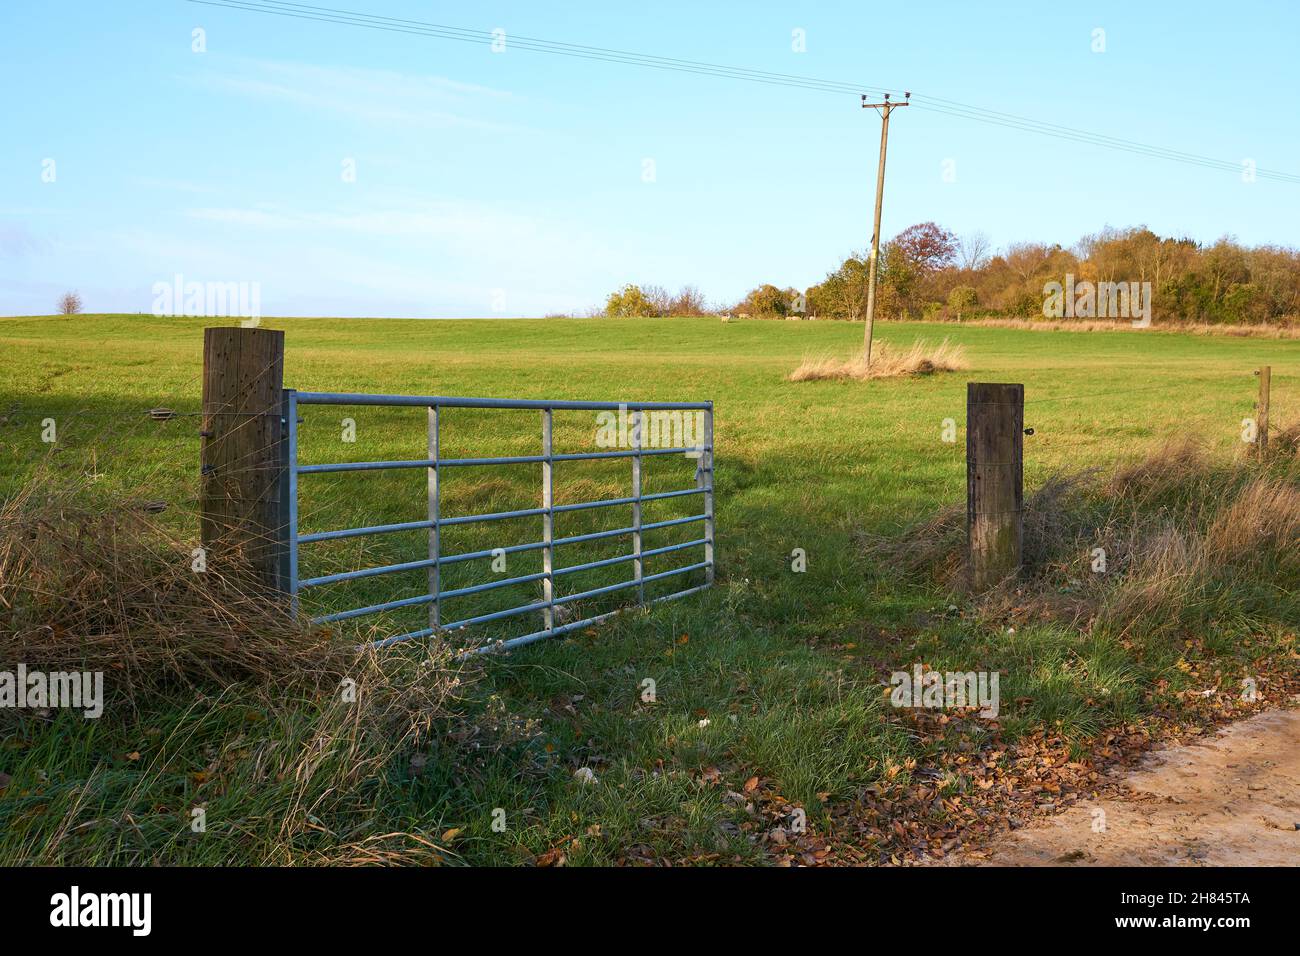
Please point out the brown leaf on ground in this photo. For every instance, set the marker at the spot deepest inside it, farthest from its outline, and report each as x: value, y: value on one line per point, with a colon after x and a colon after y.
x: 552, y: 857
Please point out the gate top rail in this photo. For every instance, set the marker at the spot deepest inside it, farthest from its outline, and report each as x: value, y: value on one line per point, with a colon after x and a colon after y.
x: 447, y: 401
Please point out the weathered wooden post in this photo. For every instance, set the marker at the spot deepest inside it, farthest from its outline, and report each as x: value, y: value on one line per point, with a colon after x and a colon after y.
x: 241, y: 488
x: 995, y: 420
x: 1265, y: 374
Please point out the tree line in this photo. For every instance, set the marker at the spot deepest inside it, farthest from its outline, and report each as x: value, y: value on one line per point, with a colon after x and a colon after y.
x: 928, y: 272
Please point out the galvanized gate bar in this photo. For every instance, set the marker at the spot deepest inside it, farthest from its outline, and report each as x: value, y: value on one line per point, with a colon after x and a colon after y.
x: 434, y: 463
x: 541, y: 606
x: 705, y: 480
x: 469, y: 462
x: 435, y: 526
x: 513, y: 549
x: 638, y: 566
x: 291, y: 480
x: 444, y: 401
x: 548, y: 523
x: 472, y: 555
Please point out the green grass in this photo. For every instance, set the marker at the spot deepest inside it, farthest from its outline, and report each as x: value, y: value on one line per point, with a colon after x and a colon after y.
x: 784, y: 667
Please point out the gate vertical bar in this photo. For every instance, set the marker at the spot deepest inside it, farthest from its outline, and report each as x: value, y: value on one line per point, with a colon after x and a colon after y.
x: 435, y: 533
x: 706, y: 465
x: 548, y: 522
x: 638, y: 565
x: 283, y: 465
x: 290, y: 406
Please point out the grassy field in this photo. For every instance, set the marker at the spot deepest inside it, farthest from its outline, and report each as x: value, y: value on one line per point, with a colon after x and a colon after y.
x: 773, y: 674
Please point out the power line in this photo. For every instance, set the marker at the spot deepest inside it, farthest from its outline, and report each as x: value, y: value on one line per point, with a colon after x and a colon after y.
x: 935, y: 104
x: 539, y: 46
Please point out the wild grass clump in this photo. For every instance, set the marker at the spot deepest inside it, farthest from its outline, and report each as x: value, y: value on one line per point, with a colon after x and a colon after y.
x: 103, y: 587
x: 1176, y: 538
x: 216, y: 698
x: 886, y: 362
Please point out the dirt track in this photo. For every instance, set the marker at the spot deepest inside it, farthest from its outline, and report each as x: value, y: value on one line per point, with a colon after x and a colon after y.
x: 1232, y: 799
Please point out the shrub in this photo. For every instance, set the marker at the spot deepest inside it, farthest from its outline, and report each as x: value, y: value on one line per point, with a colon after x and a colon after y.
x: 963, y: 298
x: 630, y: 302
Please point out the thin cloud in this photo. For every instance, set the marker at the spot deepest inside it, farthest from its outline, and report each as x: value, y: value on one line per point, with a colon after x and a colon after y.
x: 379, y: 96
x: 17, y: 241
x: 439, y: 219
x: 172, y: 185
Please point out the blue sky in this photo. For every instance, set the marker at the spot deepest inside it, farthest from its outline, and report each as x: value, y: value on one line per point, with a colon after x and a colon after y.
x: 513, y: 183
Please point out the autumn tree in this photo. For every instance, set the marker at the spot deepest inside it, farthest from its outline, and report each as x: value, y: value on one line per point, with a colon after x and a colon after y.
x: 630, y: 302
x: 843, y: 293
x: 768, y: 301
x: 688, y: 301
x: 962, y: 299
x: 973, y: 251
x: 911, y: 260
x: 69, y: 303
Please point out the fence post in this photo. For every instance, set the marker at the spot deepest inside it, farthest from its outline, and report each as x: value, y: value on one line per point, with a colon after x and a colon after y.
x: 242, y: 485
x: 995, y: 418
x: 1265, y: 374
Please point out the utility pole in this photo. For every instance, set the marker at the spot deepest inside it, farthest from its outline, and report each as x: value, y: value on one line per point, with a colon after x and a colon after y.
x: 885, y: 109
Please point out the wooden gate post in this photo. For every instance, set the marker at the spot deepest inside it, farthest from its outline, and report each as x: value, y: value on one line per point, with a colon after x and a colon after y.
x: 995, y: 419
x: 1265, y: 374
x: 241, y: 523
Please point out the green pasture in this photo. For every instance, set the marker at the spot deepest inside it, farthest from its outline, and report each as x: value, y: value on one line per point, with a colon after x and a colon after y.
x: 772, y: 673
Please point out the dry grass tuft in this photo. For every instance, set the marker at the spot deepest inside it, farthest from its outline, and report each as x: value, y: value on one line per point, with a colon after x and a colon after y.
x: 106, y: 588
x: 886, y: 362
x: 1172, y: 465
x: 1265, y: 517
x: 86, y: 588
x: 1186, y: 534
x: 1286, y: 440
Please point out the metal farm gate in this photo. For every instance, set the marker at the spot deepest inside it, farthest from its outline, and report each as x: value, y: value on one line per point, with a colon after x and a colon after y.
x: 551, y: 574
